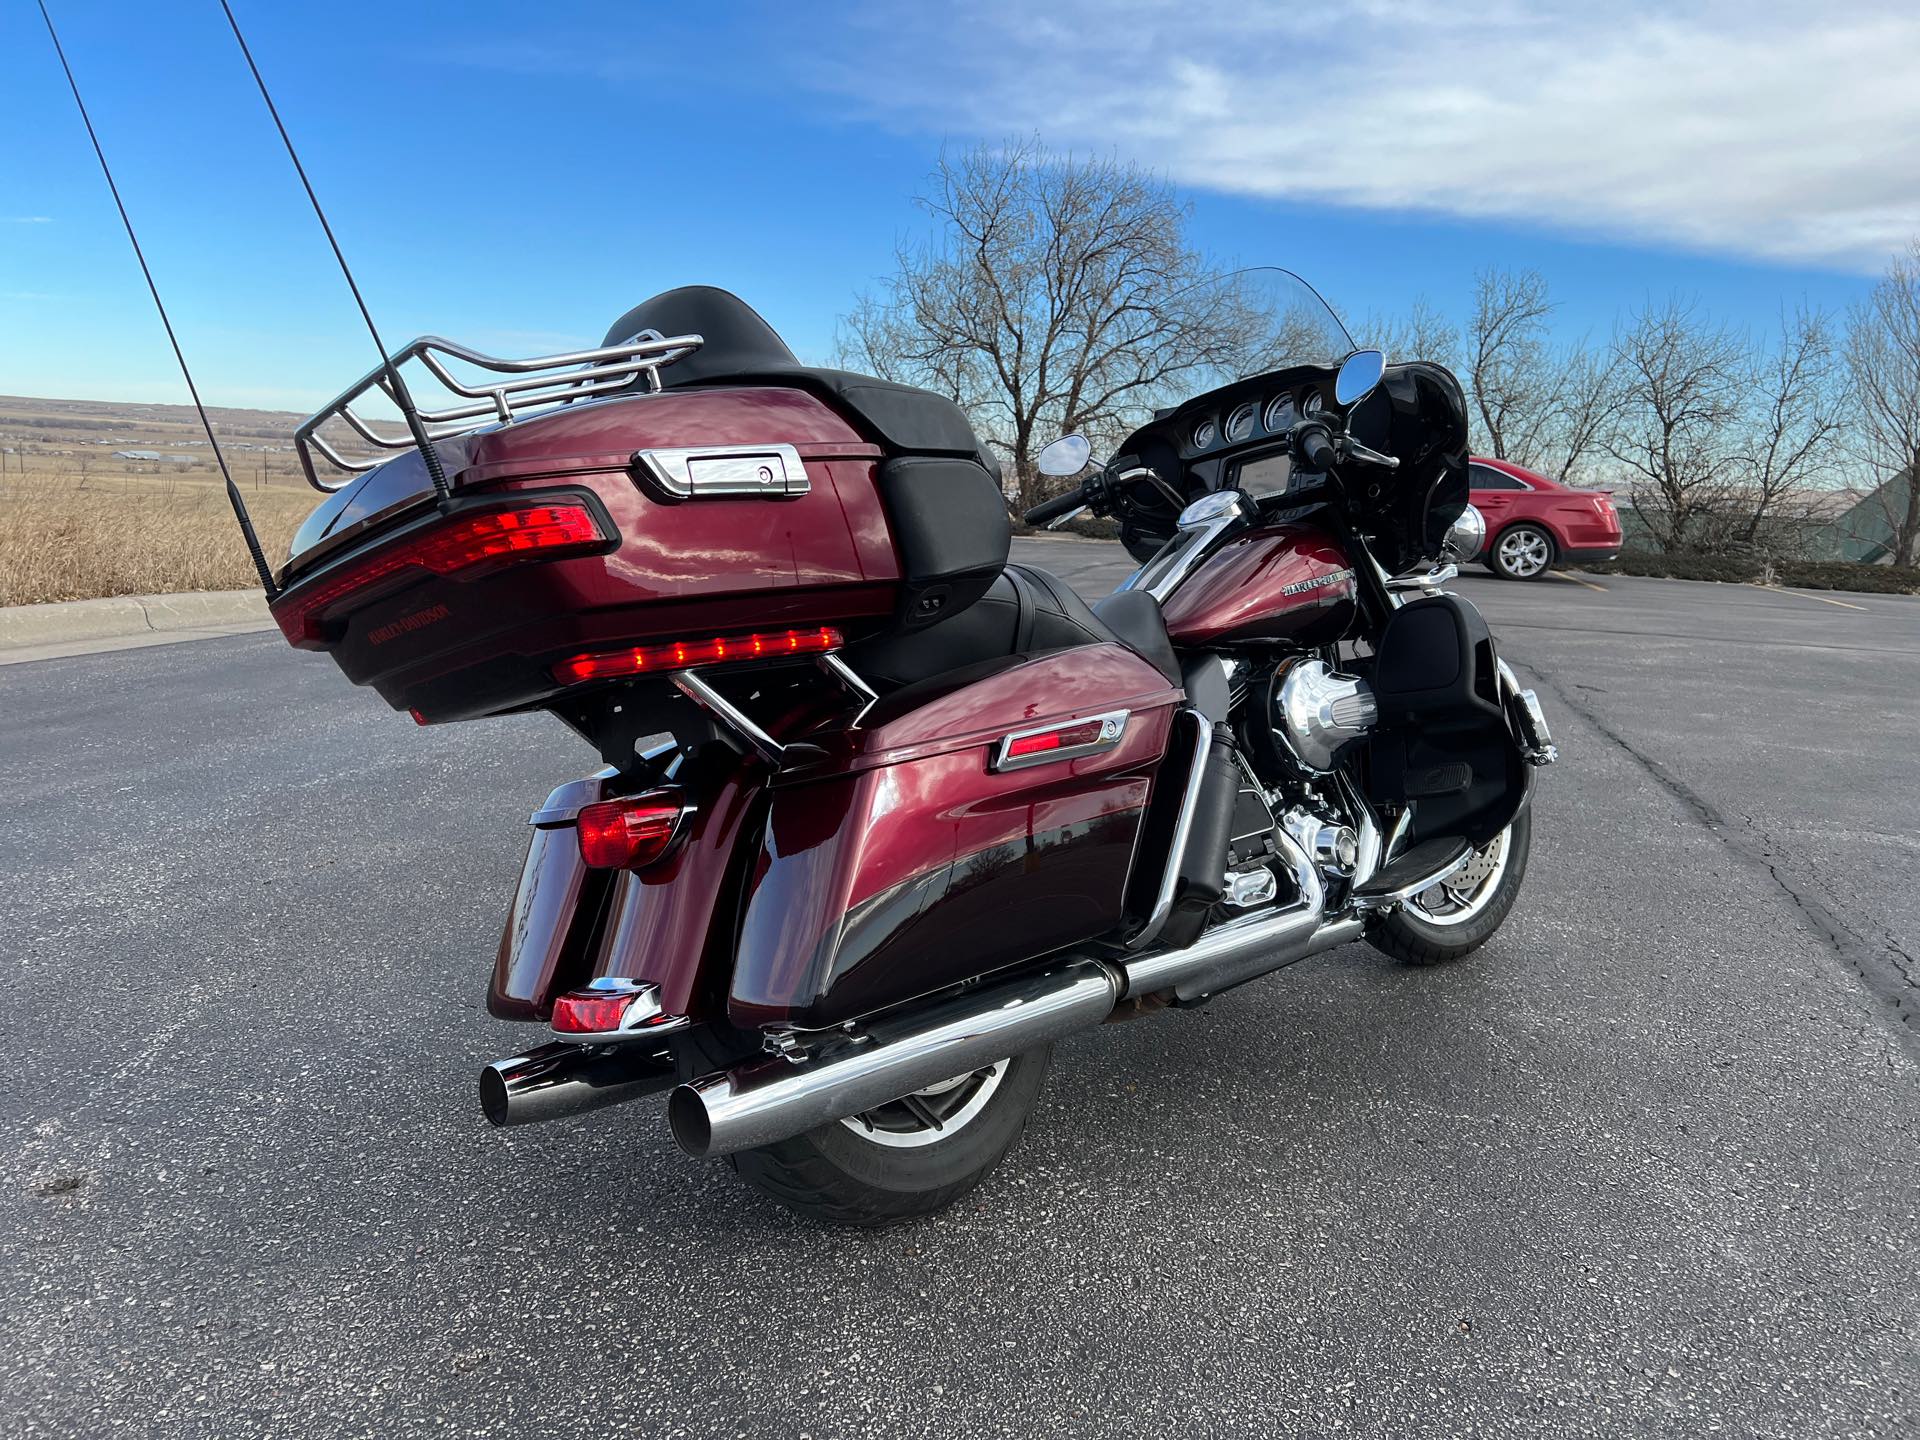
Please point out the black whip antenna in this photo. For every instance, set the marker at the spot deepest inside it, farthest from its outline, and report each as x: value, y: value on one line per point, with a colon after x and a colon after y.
x: 233, y: 491
x: 396, y: 384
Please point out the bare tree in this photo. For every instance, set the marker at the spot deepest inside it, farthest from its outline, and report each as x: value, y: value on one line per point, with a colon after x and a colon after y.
x: 1507, y: 365
x: 1883, y: 362
x: 1795, y: 415
x: 1588, y: 397
x: 1681, y: 389
x: 1059, y: 294
x: 1423, y: 333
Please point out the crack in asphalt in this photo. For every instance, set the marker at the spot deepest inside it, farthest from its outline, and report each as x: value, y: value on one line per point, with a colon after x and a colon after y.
x: 1890, y: 975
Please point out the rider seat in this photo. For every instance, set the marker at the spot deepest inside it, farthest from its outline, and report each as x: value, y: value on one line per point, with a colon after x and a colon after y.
x: 1026, y: 612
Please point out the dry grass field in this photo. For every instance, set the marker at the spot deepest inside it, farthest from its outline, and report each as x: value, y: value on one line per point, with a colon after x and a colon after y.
x: 77, y: 521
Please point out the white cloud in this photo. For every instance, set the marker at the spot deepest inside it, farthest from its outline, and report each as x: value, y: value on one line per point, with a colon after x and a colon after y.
x: 1766, y: 130
x: 26, y: 219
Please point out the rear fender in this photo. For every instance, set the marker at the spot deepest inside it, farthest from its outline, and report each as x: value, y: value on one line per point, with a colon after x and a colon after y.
x: 671, y: 925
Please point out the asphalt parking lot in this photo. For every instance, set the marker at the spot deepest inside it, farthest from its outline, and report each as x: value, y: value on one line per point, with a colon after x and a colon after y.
x: 1647, y: 1163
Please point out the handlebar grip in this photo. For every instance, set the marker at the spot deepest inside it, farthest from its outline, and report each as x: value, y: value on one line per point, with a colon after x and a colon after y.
x: 1053, y: 509
x: 1313, y: 445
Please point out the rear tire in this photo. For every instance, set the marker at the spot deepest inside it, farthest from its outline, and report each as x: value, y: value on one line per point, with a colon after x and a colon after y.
x: 839, y: 1175
x: 1417, y: 936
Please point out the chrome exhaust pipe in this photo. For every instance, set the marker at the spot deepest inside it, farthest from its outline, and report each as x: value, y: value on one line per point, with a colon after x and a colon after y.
x: 1251, y: 946
x: 562, y: 1079
x: 772, y: 1100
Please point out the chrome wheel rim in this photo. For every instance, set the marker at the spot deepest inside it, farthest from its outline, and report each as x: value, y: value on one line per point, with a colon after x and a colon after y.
x: 1465, y: 894
x: 929, y: 1115
x: 1524, y: 553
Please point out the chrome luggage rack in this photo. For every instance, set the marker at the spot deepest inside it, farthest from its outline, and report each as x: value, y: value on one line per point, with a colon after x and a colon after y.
x: 529, y: 383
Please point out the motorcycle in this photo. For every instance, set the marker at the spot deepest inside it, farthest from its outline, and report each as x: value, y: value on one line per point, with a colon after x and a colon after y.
x: 883, y: 816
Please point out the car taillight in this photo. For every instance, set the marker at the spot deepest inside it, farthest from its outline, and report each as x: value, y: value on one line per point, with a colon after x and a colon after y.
x: 534, y: 531
x: 684, y: 654
x: 629, y: 834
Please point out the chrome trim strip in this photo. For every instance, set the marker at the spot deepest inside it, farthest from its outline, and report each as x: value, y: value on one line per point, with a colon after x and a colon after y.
x: 845, y: 674
x: 689, y: 684
x: 1170, y: 877
x: 1113, y: 726
x: 1189, y: 545
x: 772, y: 470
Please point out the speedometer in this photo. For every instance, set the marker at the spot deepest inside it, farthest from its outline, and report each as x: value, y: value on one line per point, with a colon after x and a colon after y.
x: 1240, y: 422
x: 1279, y: 414
x: 1312, y: 404
x: 1204, y: 434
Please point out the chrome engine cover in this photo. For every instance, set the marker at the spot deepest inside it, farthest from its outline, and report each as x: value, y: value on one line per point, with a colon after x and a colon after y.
x: 1316, y: 710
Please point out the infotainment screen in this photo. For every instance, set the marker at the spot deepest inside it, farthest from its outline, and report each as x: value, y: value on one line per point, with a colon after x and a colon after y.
x: 1265, y: 475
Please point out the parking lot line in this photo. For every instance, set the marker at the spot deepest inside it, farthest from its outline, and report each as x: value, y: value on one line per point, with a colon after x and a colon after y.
x: 1824, y: 600
x: 1562, y: 575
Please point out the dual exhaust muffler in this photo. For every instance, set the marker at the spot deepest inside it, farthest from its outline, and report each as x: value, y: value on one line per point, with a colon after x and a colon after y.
x: 765, y: 1101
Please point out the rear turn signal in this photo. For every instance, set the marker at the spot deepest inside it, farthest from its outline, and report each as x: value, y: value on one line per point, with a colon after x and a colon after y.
x: 684, y: 654
x: 543, y: 531
x: 629, y: 834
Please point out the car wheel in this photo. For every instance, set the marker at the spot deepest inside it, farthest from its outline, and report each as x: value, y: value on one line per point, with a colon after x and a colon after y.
x: 1523, y: 552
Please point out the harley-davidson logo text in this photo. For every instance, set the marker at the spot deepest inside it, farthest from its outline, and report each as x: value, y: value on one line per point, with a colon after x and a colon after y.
x: 406, y: 624
x: 1332, y: 577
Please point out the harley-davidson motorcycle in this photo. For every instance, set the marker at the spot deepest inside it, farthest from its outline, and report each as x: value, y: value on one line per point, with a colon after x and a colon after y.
x: 882, y: 815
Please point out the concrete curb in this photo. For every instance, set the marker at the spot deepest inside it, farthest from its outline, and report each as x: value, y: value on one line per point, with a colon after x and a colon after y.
x: 149, y: 619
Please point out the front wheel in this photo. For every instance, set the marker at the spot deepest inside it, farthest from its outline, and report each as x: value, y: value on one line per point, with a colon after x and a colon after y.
x: 1456, y: 917
x: 1521, y: 553
x: 907, y: 1158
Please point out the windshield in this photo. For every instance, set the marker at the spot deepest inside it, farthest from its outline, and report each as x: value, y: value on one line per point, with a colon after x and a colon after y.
x: 1266, y: 318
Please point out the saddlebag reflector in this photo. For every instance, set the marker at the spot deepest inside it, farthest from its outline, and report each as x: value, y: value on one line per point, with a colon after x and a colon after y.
x: 1059, y: 742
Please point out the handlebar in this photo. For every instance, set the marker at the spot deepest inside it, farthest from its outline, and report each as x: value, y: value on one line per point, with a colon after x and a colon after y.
x: 1313, y: 445
x: 1060, y: 505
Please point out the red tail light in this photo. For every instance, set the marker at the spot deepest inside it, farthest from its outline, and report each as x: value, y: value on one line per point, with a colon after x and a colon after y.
x: 613, y: 1007
x: 680, y: 654
x: 629, y: 834
x: 533, y: 531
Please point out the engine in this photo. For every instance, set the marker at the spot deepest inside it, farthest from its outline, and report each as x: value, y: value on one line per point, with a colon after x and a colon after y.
x: 1314, y: 710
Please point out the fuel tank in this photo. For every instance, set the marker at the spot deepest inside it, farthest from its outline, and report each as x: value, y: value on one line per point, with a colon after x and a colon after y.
x: 1291, y: 582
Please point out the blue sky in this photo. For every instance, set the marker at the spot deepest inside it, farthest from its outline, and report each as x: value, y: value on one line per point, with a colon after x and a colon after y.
x: 516, y: 176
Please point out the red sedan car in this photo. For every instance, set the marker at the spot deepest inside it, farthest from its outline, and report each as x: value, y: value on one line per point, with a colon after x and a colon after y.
x: 1534, y: 523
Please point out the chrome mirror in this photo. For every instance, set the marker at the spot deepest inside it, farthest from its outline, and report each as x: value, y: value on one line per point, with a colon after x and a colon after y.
x: 1466, y: 535
x: 1065, y: 456
x: 1359, y: 373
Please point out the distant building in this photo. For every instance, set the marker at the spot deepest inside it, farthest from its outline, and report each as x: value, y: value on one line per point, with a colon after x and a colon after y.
x: 155, y: 456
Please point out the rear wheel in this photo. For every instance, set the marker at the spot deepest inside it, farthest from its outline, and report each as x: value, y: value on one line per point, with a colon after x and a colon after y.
x: 1521, y: 553
x: 1456, y: 917
x: 907, y: 1158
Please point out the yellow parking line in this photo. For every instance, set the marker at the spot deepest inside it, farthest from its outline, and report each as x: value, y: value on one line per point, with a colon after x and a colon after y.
x: 1843, y: 604
x: 1562, y: 575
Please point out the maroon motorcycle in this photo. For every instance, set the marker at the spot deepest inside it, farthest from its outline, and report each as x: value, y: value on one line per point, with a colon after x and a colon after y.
x: 882, y: 816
